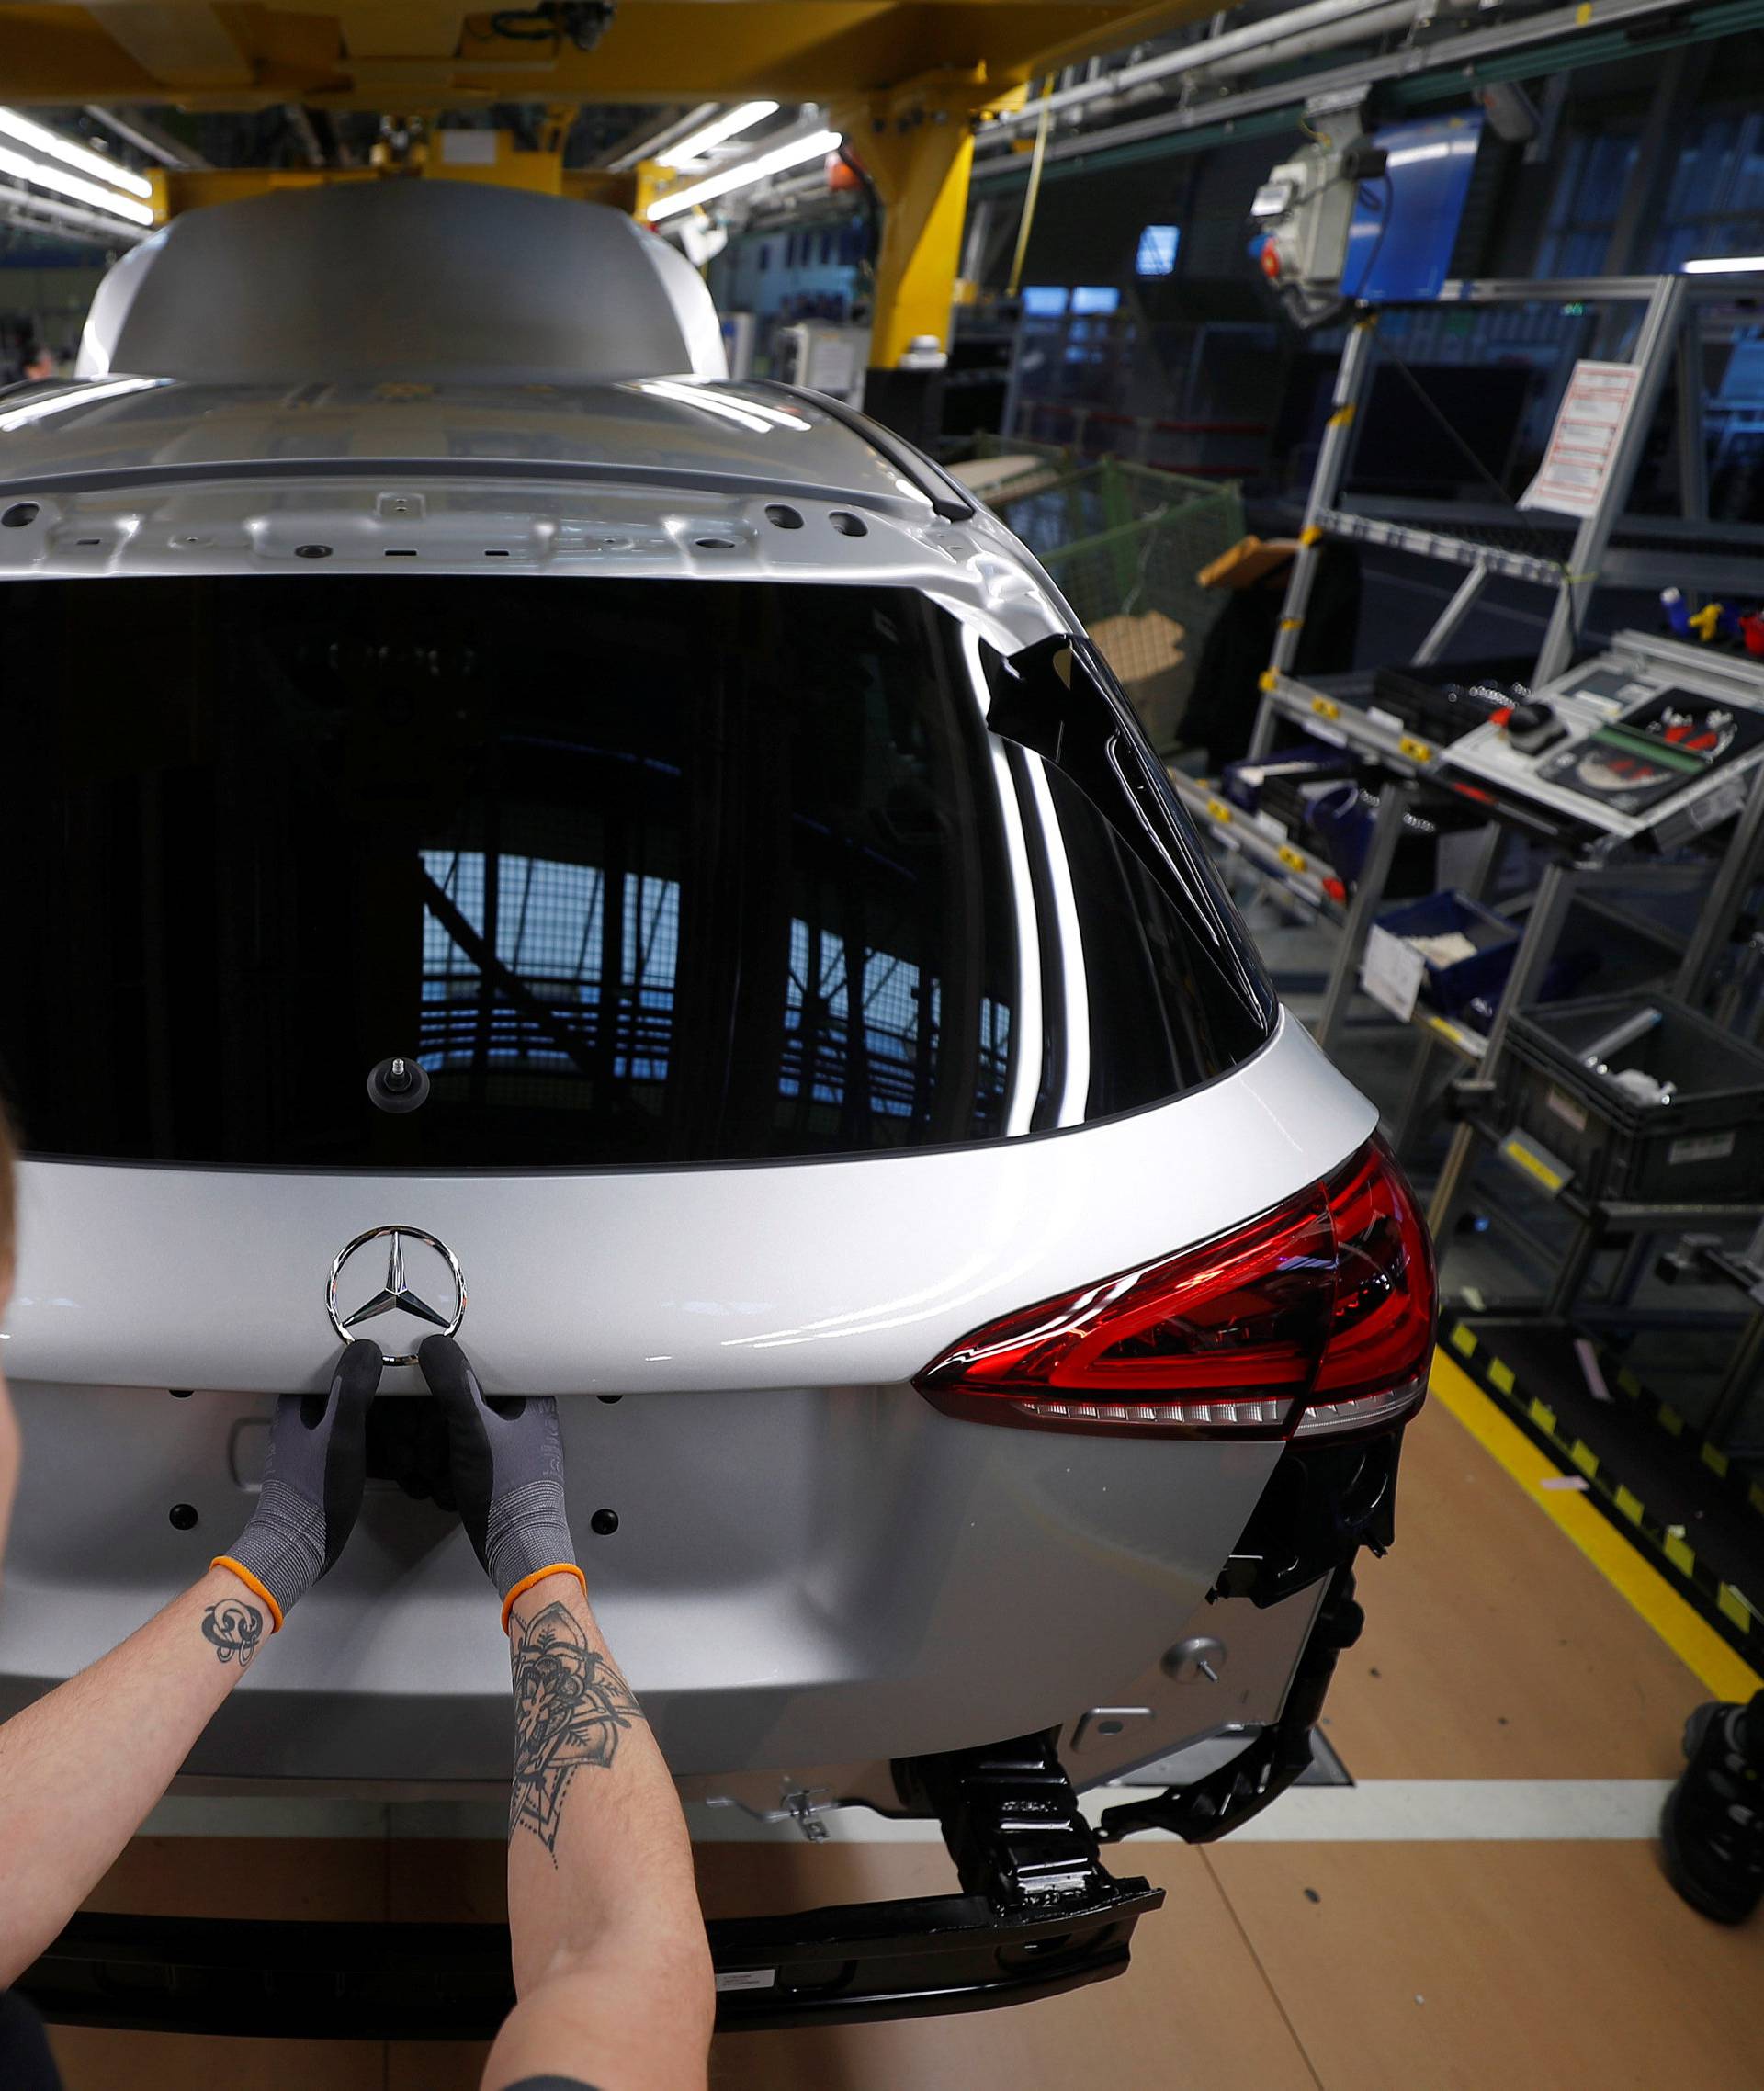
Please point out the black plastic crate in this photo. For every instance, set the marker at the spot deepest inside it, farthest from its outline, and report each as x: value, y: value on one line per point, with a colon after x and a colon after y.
x: 1707, y: 1143
x: 1445, y: 699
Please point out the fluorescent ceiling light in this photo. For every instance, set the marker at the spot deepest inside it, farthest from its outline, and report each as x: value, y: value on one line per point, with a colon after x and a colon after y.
x: 80, y: 396
x: 77, y: 155
x: 81, y: 191
x: 696, y: 143
x: 1725, y: 264
x: 752, y: 413
x: 791, y: 153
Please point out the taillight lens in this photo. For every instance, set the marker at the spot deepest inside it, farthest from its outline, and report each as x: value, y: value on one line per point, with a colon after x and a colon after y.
x: 1314, y: 1318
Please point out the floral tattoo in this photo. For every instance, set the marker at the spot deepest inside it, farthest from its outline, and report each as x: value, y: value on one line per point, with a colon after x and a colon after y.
x: 571, y: 1707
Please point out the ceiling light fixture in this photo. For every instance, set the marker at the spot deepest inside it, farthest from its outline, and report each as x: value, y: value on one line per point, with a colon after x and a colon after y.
x: 40, y: 139
x: 791, y: 153
x: 81, y: 191
x: 1725, y: 264
x: 75, y: 396
x: 696, y: 143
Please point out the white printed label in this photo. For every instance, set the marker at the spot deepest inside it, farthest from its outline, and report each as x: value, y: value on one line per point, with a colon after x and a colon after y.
x: 1277, y: 828
x: 1588, y: 438
x: 1708, y: 1146
x: 747, y: 1978
x: 1391, y: 972
x: 1388, y: 720
x: 1566, y: 1108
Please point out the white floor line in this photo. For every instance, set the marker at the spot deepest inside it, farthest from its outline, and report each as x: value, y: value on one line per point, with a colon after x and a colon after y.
x: 1377, y: 1810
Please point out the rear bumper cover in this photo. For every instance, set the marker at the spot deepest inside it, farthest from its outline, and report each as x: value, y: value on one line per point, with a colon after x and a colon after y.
x: 430, y: 1981
x: 1038, y: 1914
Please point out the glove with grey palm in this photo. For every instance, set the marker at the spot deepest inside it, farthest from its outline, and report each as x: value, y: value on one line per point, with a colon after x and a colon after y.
x: 506, y: 1461
x: 314, y: 1480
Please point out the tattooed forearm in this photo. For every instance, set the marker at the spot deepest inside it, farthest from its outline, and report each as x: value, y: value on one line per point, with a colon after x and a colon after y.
x: 570, y: 1706
x: 235, y: 1628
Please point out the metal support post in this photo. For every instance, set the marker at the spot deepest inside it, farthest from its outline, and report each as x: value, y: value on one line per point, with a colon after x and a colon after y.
x: 1394, y: 802
x: 919, y: 151
x: 1740, y: 869
x: 1350, y: 381
x: 1427, y: 1052
x: 1694, y: 459
x: 1543, y: 931
x: 1742, y: 1372
x: 1573, y: 1273
x: 1453, y: 616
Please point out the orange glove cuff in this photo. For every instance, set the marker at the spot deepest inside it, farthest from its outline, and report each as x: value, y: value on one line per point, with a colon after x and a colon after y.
x: 539, y: 1575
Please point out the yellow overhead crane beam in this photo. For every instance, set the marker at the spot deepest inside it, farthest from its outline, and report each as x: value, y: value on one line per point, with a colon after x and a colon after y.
x: 904, y: 80
x: 445, y: 155
x: 422, y: 56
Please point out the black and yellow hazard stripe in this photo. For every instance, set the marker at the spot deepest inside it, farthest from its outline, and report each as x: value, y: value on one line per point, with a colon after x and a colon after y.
x: 1725, y: 1607
x: 1734, y: 1479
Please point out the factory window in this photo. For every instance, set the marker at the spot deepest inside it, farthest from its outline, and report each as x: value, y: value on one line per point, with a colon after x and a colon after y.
x: 643, y: 872
x: 1157, y: 254
x: 1583, y: 211
x: 1043, y: 301
x: 1715, y: 205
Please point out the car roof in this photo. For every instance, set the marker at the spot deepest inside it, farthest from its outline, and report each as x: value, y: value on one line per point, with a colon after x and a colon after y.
x: 680, y: 431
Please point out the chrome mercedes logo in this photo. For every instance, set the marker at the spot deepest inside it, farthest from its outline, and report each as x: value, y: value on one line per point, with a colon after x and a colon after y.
x: 396, y: 1295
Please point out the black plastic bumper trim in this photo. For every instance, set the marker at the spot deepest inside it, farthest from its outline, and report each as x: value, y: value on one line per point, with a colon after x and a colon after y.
x: 451, y: 1981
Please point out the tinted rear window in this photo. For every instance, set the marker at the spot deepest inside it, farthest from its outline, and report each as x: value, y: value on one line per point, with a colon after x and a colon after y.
x: 642, y: 872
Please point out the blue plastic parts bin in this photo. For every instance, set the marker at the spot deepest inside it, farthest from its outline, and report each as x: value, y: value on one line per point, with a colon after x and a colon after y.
x: 1450, y: 988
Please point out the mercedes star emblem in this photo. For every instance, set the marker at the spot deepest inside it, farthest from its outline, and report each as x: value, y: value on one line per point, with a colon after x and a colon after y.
x: 396, y: 1295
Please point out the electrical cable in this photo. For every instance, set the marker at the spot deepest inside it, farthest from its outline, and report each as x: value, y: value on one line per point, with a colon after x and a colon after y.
x: 582, y: 22
x: 1031, y: 194
x: 1371, y: 262
x: 872, y: 204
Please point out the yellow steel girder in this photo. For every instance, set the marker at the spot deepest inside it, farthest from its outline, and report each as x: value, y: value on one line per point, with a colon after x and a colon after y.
x: 919, y: 151
x: 421, y: 56
x: 504, y: 165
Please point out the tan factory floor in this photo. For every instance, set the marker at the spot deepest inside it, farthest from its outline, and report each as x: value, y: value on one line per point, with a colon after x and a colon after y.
x: 1482, y: 1909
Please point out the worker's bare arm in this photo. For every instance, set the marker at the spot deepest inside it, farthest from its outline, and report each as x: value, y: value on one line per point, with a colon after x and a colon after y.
x: 611, y: 1961
x: 80, y: 1769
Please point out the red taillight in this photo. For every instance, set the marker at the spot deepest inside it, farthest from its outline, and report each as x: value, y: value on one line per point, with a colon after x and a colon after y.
x: 1315, y: 1317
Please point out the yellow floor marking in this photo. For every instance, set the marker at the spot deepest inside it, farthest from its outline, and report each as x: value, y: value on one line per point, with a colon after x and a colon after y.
x: 1689, y: 1635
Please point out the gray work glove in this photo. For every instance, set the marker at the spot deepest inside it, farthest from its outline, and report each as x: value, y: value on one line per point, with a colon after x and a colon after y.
x: 313, y: 1484
x: 506, y: 1461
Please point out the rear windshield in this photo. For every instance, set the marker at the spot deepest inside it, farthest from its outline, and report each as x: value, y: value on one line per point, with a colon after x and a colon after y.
x: 641, y: 872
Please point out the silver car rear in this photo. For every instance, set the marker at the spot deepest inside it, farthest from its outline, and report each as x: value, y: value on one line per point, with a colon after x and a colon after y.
x: 785, y: 1026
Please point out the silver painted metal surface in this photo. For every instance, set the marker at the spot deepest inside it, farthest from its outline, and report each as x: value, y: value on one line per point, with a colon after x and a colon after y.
x: 811, y: 1566
x: 404, y: 282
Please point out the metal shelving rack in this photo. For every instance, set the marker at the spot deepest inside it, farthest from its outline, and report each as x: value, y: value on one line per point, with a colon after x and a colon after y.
x: 1342, y: 714
x: 1659, y: 346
